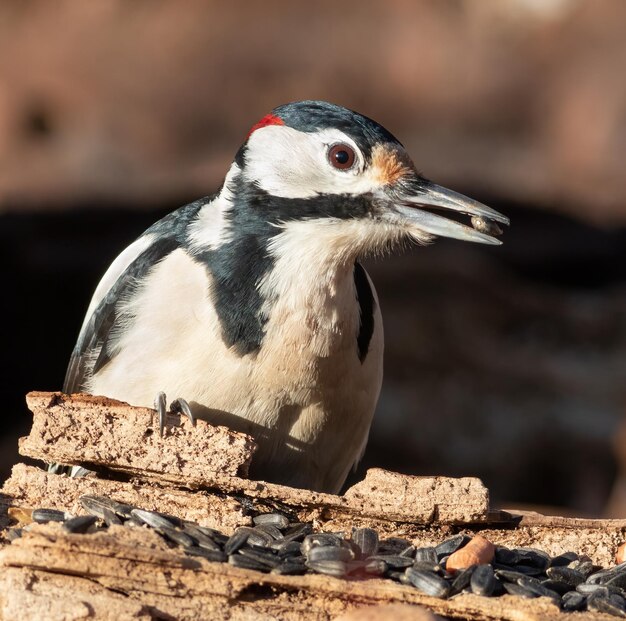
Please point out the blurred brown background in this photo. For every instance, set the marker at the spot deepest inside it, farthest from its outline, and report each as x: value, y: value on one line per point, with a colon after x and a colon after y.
x: 505, y: 363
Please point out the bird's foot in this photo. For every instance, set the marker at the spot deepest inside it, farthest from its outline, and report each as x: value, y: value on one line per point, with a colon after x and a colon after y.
x: 179, y: 406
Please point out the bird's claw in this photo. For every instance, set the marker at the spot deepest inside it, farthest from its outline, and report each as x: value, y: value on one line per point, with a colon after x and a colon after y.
x: 177, y: 406
x: 181, y: 405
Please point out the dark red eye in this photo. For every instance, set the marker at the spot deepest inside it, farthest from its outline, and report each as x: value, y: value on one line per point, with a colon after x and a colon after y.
x: 341, y: 156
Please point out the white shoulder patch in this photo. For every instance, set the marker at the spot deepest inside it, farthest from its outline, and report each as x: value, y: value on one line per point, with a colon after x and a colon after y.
x: 210, y: 229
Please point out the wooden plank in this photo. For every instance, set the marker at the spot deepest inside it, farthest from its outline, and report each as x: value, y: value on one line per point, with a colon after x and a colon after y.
x: 97, y: 431
x: 86, y: 430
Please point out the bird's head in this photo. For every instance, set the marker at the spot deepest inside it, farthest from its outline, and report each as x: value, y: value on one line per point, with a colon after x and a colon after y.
x: 329, y: 170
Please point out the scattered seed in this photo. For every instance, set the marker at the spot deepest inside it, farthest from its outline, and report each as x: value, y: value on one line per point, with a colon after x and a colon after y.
x: 513, y: 588
x: 80, y: 524
x: 330, y: 553
x: 447, y: 547
x: 564, y: 559
x: 392, y: 560
x: 152, y: 519
x: 270, y: 530
x: 565, y: 574
x: 330, y: 568
x: 483, y: 580
x: 177, y: 536
x: 297, y: 532
x: 428, y: 583
x: 265, y: 558
x: 573, y: 601
x: 237, y: 540
x: 428, y: 554
x: 375, y: 567
x: 319, y: 539
x: 535, y: 586
x: 366, y: 540
x: 277, y: 520
x: 215, y: 556
x: 246, y: 562
x: 42, y: 516
x: 289, y: 568
x: 200, y: 537
x: 462, y: 580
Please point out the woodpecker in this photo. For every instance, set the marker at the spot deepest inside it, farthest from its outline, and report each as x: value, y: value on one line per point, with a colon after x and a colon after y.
x: 251, y: 307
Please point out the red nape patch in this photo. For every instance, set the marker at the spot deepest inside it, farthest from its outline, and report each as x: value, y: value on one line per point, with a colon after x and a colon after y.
x: 268, y: 119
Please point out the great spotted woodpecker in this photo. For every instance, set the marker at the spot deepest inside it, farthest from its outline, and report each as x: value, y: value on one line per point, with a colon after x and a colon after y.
x: 251, y: 304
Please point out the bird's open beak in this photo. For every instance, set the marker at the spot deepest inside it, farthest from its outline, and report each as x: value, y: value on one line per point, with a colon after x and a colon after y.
x: 408, y: 200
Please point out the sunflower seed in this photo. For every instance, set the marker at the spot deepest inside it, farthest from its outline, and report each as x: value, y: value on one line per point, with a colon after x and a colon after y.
x: 102, y: 507
x: 298, y: 531
x: 289, y: 568
x: 392, y: 545
x: 176, y: 536
x: 329, y: 568
x: 375, y: 567
x: 237, y: 540
x: 330, y: 553
x: 290, y: 548
x: 152, y: 519
x: 271, y: 531
x: 409, y: 552
x: 462, y: 580
x: 586, y: 568
x: 319, y: 539
x: 563, y: 559
x: 215, y: 556
x: 245, y: 562
x: 394, y: 561
x: 556, y: 585
x: 610, y: 605
x: 573, y: 601
x: 426, y: 554
x: 534, y: 587
x: 483, y: 580
x: 42, y: 516
x: 517, y: 589
x: 509, y: 575
x: 259, y: 538
x: 272, y: 519
x: 79, y: 524
x: 427, y: 566
x: 451, y: 545
x: 266, y: 558
x: 366, y: 540
x: 565, y: 574
x: 200, y: 537
x: 428, y: 583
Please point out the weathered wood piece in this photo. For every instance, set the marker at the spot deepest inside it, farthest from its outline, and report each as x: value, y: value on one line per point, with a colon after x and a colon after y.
x: 87, y: 430
x: 97, y: 431
x: 159, y: 581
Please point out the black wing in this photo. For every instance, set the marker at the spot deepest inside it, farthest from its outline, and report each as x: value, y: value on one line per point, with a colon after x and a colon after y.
x: 94, y: 338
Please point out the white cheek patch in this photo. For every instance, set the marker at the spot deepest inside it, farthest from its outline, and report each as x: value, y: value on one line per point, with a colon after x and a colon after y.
x: 292, y: 164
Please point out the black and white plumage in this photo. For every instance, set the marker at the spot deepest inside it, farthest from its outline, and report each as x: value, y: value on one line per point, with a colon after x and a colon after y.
x: 251, y: 304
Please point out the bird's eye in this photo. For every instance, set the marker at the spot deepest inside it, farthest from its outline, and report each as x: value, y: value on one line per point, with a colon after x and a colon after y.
x: 341, y: 156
